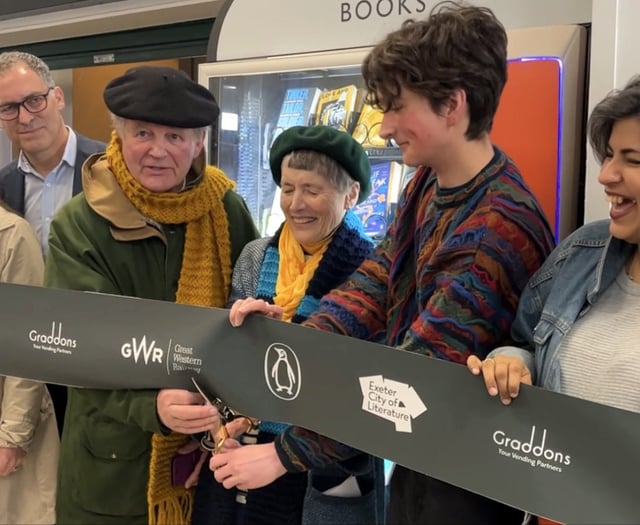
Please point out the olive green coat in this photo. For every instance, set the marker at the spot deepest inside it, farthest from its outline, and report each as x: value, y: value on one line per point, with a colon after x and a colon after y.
x: 100, y: 242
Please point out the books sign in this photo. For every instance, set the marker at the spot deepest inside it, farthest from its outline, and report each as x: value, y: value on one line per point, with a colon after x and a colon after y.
x: 308, y: 26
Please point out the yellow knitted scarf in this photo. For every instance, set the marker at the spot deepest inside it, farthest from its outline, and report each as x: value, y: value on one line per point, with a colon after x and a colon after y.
x: 205, y: 279
x: 295, y: 270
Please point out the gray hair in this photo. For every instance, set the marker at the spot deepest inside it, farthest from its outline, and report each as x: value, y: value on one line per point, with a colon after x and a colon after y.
x: 312, y: 160
x: 118, y: 124
x: 10, y: 59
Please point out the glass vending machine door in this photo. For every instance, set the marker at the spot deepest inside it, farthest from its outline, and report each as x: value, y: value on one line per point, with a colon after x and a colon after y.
x: 261, y: 98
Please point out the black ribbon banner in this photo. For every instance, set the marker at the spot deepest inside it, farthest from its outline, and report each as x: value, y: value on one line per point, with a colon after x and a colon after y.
x: 552, y: 455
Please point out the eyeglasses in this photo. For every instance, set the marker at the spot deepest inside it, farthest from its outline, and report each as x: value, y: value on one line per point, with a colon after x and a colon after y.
x: 33, y: 104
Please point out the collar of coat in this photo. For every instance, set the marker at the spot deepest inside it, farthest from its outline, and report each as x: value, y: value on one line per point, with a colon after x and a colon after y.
x: 106, y: 198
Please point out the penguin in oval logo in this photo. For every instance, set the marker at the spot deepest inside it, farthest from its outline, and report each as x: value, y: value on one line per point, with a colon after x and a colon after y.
x: 282, y: 371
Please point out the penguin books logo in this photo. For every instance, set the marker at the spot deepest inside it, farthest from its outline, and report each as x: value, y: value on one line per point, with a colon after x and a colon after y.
x: 282, y: 371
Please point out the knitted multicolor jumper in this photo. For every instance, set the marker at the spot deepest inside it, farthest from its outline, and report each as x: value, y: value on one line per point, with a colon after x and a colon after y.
x: 445, y: 282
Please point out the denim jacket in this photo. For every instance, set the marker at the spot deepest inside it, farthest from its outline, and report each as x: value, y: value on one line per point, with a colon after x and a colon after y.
x: 565, y: 287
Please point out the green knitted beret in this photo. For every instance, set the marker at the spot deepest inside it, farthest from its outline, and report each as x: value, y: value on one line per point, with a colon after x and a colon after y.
x: 338, y: 145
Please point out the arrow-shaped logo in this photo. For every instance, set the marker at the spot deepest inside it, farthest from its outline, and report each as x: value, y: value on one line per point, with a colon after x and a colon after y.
x: 392, y: 400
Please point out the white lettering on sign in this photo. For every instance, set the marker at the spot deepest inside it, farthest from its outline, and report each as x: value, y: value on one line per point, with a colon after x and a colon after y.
x: 391, y: 400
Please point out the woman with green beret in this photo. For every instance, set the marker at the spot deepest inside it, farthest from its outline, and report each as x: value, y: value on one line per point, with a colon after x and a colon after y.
x: 322, y: 173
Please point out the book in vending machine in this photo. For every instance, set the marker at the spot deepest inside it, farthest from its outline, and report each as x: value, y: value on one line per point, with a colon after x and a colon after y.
x: 257, y: 105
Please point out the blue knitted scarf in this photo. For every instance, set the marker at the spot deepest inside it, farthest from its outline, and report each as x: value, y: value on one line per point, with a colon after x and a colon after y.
x: 348, y: 248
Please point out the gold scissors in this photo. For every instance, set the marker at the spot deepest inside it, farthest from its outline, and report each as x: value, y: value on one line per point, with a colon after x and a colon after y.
x: 215, y: 443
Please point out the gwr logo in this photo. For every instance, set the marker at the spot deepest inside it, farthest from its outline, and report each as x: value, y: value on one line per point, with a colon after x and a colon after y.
x: 134, y: 350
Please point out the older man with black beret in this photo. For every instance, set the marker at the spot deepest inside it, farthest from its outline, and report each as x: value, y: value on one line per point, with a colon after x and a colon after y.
x: 153, y: 221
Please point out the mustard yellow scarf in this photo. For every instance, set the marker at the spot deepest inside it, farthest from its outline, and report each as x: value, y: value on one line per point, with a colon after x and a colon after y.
x: 295, y: 270
x: 205, y: 280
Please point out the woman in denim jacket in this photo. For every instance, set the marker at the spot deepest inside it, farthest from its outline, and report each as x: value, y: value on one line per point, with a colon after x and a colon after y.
x: 578, y: 314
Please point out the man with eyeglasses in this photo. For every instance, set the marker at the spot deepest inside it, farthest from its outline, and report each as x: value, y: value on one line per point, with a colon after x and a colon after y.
x: 47, y: 172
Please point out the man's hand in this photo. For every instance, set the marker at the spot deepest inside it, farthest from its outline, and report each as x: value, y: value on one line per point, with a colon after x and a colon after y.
x: 243, y: 307
x: 186, y: 412
x: 502, y: 375
x: 246, y: 467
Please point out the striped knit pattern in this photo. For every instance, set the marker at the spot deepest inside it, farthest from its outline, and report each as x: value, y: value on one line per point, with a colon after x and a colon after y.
x: 598, y: 362
x: 447, y: 278
x: 347, y: 250
x: 445, y: 281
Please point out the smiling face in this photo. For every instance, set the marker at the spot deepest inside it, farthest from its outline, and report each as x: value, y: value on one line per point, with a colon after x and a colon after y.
x: 620, y: 176
x: 159, y: 157
x: 34, y: 133
x: 312, y: 206
x: 421, y: 134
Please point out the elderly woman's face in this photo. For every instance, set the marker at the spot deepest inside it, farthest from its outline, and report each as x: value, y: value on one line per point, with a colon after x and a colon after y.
x: 312, y: 206
x: 620, y: 176
x: 159, y: 157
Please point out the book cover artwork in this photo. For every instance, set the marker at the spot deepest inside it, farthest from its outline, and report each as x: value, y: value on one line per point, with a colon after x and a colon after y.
x: 298, y: 108
x: 336, y: 107
x: 374, y: 211
x: 367, y: 130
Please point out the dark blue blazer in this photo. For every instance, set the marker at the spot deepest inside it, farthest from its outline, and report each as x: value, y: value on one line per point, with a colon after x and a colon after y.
x: 12, y: 180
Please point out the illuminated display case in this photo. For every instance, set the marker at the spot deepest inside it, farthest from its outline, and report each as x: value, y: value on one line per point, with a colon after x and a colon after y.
x: 260, y: 98
x: 539, y: 123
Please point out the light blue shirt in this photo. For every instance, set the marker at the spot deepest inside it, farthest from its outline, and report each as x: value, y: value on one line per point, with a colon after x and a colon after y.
x: 44, y: 194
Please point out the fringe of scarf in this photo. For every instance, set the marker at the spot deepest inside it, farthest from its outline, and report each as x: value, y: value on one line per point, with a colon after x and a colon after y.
x: 205, y: 280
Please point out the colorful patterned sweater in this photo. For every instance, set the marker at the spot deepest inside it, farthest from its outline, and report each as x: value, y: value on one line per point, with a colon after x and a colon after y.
x: 445, y: 282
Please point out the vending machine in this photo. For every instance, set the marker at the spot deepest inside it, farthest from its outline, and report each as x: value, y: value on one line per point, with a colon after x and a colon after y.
x: 274, y: 65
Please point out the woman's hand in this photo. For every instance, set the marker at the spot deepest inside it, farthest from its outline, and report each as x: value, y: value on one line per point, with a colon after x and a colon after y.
x: 10, y: 460
x: 243, y: 307
x: 502, y: 375
x: 246, y: 467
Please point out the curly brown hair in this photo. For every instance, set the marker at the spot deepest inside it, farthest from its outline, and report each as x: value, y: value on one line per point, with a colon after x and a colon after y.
x: 458, y: 46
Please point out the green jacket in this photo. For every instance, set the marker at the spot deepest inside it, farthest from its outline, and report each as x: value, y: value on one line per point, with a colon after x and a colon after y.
x: 100, y: 242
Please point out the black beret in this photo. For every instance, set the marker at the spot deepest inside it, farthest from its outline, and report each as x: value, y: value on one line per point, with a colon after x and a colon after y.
x: 161, y: 95
x: 338, y: 145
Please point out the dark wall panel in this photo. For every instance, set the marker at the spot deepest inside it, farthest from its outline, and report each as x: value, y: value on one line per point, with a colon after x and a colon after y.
x: 31, y: 7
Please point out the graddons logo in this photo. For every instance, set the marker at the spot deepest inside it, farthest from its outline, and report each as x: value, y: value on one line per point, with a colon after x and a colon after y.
x: 534, y: 451
x: 54, y: 341
x: 139, y: 350
x: 282, y: 371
